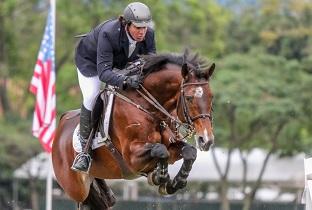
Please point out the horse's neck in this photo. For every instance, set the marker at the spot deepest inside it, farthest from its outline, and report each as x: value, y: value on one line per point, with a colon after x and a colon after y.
x: 165, y: 87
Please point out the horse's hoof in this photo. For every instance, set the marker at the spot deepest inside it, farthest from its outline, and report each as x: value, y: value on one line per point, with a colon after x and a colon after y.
x: 164, y: 178
x: 183, y: 185
x: 150, y: 179
x: 162, y: 190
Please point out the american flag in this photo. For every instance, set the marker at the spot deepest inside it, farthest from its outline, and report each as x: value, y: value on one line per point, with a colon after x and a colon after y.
x: 43, y: 87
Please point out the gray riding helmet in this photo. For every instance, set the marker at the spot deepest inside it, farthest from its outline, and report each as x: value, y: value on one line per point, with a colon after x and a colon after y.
x: 138, y: 14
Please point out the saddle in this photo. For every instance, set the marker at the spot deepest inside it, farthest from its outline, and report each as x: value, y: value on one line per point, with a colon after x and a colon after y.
x: 100, y: 121
x: 101, y: 112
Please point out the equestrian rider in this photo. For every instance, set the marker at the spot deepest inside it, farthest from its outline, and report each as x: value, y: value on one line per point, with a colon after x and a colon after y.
x: 110, y: 45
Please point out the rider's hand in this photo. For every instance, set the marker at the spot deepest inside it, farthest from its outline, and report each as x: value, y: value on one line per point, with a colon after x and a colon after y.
x: 132, y: 82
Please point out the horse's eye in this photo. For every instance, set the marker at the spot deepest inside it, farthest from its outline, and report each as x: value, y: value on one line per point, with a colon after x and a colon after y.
x: 189, y: 98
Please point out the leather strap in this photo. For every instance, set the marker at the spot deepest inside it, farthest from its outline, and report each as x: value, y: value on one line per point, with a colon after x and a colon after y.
x: 125, y: 170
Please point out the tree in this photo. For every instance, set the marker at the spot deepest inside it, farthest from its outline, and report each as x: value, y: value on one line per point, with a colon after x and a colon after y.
x: 280, y: 27
x: 196, y: 24
x: 258, y: 105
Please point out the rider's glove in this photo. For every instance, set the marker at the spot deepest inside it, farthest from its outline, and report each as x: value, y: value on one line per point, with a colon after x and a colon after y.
x: 131, y: 82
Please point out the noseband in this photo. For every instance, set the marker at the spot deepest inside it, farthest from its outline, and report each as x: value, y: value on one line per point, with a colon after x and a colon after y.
x: 186, y: 113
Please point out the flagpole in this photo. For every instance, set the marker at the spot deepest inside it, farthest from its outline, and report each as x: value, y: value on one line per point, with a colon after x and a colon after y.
x: 49, y: 184
x: 52, y: 2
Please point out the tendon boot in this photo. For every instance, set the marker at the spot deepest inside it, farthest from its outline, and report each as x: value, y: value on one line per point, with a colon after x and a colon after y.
x: 82, y: 161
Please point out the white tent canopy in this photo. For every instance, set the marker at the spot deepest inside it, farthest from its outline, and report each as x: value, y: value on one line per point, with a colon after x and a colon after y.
x: 279, y: 170
x: 37, y: 166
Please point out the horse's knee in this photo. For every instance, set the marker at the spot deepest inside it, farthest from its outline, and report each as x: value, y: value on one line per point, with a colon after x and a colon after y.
x: 189, y: 153
x: 159, y: 151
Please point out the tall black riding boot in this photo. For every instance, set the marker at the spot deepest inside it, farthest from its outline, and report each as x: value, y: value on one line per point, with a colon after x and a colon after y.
x: 82, y: 161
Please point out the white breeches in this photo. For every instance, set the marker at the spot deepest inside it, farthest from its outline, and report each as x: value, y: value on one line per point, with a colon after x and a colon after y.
x: 90, y: 88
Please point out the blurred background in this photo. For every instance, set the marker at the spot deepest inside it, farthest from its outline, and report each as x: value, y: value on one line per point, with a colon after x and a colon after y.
x: 262, y: 98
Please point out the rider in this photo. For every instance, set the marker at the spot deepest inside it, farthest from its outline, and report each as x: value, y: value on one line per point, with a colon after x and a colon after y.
x: 110, y: 45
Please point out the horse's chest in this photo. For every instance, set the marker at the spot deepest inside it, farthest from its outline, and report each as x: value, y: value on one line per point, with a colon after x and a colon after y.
x: 154, y: 137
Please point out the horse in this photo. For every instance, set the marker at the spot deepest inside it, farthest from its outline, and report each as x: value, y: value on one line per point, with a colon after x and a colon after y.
x: 144, y: 131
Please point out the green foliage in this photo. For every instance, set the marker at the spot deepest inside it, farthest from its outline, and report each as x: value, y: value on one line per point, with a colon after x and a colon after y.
x: 262, y: 90
x: 200, y: 24
x: 281, y: 27
x: 68, y: 92
x: 17, y: 145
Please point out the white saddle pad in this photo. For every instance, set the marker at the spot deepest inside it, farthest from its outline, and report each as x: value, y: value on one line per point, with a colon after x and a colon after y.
x: 98, y: 140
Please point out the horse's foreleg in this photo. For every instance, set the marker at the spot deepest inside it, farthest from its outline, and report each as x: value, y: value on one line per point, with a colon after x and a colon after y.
x: 143, y: 156
x: 189, y: 154
x: 160, y: 175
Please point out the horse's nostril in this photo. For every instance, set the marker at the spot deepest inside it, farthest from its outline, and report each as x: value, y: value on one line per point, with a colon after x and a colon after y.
x: 201, y: 139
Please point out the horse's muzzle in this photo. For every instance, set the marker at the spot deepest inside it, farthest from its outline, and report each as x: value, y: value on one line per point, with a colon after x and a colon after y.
x: 203, y: 143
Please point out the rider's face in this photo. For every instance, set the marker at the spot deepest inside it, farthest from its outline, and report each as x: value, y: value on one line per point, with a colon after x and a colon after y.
x: 137, y: 33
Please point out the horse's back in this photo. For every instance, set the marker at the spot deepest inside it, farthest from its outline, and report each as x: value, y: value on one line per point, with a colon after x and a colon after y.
x: 76, y: 185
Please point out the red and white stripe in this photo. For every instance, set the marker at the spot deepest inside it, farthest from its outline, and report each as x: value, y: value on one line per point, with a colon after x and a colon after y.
x: 43, y: 87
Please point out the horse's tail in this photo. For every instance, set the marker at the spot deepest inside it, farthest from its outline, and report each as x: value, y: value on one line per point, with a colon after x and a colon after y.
x: 100, y: 197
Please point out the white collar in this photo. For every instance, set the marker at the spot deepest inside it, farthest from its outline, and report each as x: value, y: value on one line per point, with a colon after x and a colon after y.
x: 131, y: 41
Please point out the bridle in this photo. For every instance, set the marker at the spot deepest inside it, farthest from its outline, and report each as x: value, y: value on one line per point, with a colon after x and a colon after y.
x: 186, y: 113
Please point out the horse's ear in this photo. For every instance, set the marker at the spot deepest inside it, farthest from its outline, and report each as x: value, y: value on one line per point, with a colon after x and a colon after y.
x: 184, y: 70
x: 210, y: 71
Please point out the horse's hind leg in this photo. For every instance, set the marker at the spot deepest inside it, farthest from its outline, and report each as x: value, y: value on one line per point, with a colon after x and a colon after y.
x: 100, y: 196
x: 76, y: 185
x: 106, y: 192
x: 189, y: 154
x: 79, y: 206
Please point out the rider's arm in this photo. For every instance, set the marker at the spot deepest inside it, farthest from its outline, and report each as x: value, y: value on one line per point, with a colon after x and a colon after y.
x: 105, y: 62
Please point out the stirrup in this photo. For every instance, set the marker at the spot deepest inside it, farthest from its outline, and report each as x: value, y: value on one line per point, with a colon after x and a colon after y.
x: 82, y: 155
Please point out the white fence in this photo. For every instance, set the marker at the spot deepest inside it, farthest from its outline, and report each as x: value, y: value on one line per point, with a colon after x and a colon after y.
x: 307, y: 198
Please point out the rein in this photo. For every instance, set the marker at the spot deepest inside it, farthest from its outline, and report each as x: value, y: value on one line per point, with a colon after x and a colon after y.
x: 153, y: 101
x: 148, y: 97
x: 189, y: 125
x: 128, y: 100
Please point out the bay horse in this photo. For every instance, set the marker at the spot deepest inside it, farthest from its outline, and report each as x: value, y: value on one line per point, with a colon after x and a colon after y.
x: 143, y: 132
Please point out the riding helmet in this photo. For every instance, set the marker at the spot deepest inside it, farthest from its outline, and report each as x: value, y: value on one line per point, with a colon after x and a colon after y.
x: 138, y: 14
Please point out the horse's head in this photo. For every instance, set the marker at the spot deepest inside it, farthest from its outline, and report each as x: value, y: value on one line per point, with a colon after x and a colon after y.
x: 195, y: 102
x: 185, y: 92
